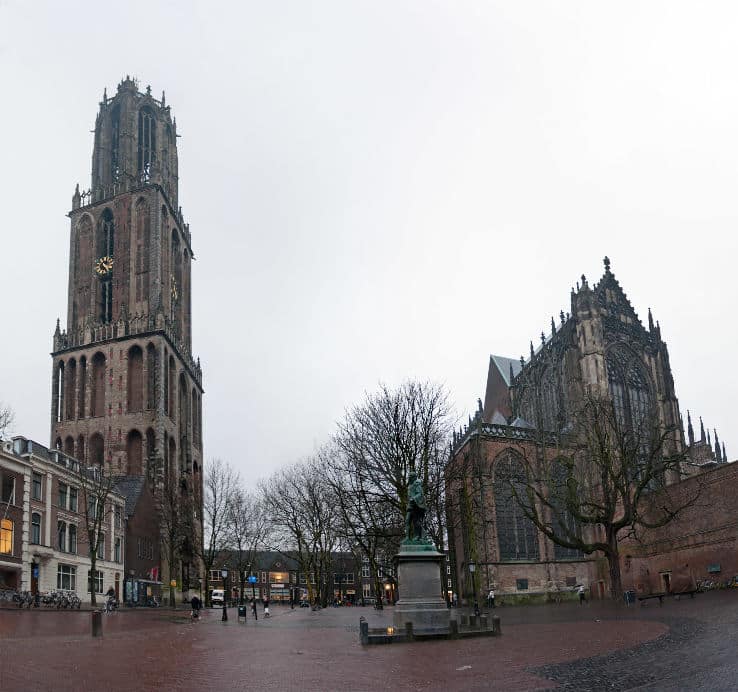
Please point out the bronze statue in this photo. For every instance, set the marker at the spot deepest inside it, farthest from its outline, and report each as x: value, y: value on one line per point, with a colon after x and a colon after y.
x: 416, y: 509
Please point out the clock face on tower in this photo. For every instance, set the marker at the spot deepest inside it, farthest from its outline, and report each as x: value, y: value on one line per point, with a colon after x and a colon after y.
x: 104, y: 267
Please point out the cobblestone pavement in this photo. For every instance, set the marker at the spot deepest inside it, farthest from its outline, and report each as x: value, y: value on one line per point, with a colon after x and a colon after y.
x: 687, y: 644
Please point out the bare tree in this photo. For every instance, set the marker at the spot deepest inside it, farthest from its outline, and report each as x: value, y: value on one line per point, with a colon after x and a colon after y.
x: 171, y: 518
x: 7, y: 419
x: 221, y: 482
x: 303, y: 516
x: 96, y: 487
x: 378, y: 443
x: 247, y: 531
x: 607, y: 480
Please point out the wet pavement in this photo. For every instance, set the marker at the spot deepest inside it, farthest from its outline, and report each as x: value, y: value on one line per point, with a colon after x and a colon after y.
x: 686, y: 644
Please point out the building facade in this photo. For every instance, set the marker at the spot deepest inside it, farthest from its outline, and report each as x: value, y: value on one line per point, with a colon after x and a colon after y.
x: 126, y: 390
x: 599, y: 348
x: 44, y: 514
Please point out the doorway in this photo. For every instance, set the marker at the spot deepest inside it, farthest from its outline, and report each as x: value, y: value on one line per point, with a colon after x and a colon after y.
x: 34, y: 578
x: 666, y: 581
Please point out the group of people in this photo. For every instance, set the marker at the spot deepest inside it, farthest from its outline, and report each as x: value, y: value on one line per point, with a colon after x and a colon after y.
x: 196, y: 604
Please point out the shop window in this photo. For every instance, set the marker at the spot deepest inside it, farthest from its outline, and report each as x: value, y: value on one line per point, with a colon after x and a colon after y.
x: 66, y: 577
x: 6, y: 536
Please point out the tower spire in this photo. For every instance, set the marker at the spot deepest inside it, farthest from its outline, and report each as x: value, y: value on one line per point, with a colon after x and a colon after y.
x: 690, y: 429
x: 702, y: 430
x: 718, y: 455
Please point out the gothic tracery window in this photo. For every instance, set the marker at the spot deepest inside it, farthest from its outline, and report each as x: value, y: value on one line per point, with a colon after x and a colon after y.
x: 629, y: 389
x: 146, y: 140
x: 516, y: 534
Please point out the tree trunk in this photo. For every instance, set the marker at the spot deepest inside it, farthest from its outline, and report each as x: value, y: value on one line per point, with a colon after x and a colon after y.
x: 91, y: 579
x: 613, y: 563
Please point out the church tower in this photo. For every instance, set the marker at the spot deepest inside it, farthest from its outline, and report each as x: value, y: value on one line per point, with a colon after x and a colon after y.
x: 126, y: 391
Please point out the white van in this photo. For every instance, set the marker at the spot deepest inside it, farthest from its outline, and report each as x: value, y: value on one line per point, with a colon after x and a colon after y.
x: 217, y: 597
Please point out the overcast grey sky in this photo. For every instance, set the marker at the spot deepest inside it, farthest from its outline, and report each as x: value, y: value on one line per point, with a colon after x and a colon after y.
x: 382, y: 190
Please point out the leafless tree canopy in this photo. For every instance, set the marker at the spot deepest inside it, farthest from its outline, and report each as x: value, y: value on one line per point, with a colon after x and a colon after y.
x: 247, y: 532
x: 221, y: 484
x: 7, y: 420
x: 607, y: 481
x: 96, y: 487
x: 303, y: 515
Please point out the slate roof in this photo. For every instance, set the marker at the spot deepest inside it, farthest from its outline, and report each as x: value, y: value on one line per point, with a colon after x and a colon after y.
x: 503, y: 365
x: 130, y: 488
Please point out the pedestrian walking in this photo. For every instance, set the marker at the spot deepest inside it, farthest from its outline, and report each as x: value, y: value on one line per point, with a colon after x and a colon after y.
x: 491, y: 598
x: 266, y: 608
x: 253, y: 609
x: 196, y: 605
x: 582, y: 596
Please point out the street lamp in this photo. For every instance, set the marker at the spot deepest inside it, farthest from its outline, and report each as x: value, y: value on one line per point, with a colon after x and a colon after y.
x: 473, y: 570
x: 224, y: 574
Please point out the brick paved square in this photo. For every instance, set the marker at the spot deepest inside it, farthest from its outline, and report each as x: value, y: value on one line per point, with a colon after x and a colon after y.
x: 685, y: 644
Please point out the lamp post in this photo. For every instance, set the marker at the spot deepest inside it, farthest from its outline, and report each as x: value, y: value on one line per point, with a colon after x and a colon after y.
x: 473, y: 570
x: 224, y: 574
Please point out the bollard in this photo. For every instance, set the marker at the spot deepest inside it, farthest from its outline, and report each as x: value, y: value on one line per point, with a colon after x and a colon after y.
x: 496, y: 624
x: 363, y: 630
x: 97, y: 623
x: 454, y: 629
x: 409, y: 631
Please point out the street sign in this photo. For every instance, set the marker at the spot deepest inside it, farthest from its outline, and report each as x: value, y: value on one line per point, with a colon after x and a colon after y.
x: 252, y: 580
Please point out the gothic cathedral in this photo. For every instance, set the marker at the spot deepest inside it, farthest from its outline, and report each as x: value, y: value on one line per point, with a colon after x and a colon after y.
x: 126, y: 391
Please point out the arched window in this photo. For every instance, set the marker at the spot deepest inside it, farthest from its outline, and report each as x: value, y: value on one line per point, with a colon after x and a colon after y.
x: 84, y: 271
x: 106, y: 248
x: 151, y: 453
x: 172, y: 387
x: 152, y: 364
x: 629, y: 388
x: 82, y: 388
x: 81, y: 448
x: 171, y: 473
x: 135, y: 379
x: 97, y: 399
x: 517, y: 535
x: 97, y: 449
x: 141, y: 250
x: 134, y: 453
x: 176, y: 287
x: 563, y: 523
x: 59, y: 392
x: 182, y: 404
x: 167, y: 410
x: 115, y: 144
x: 69, y: 446
x: 193, y: 415
x: 146, y: 140
x: 69, y: 388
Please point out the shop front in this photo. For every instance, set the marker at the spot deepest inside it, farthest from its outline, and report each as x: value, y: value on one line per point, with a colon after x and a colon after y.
x: 142, y: 592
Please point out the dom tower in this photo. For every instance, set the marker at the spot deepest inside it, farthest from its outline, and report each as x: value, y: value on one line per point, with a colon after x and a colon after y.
x: 126, y: 392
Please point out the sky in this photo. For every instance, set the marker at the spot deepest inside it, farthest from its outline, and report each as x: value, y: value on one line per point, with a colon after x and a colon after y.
x: 380, y: 190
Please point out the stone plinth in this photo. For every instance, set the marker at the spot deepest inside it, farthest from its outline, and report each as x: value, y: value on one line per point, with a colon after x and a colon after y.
x: 419, y: 582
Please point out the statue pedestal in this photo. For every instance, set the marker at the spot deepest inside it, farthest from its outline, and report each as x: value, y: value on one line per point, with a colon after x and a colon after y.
x: 419, y: 581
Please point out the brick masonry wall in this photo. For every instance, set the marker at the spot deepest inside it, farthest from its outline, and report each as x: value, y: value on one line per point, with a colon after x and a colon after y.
x: 705, y: 534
